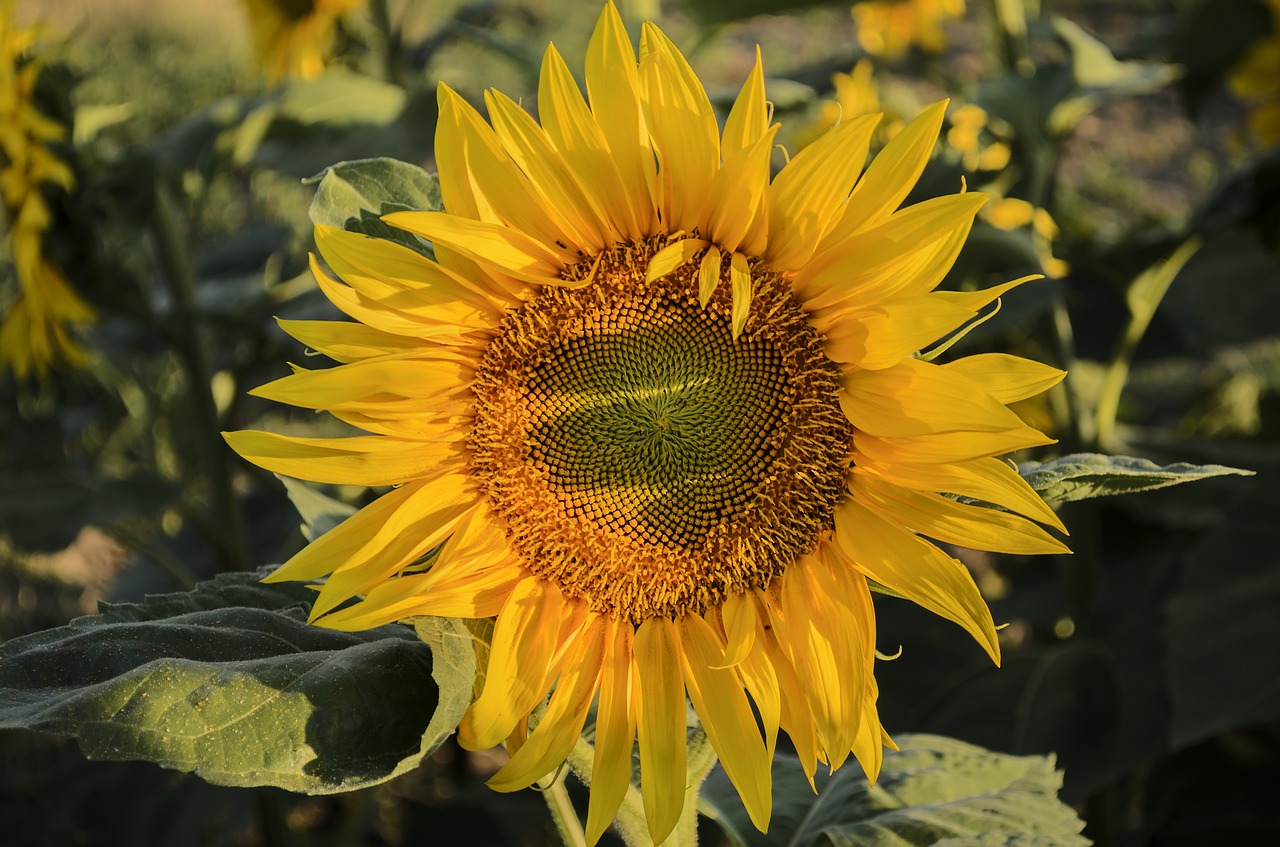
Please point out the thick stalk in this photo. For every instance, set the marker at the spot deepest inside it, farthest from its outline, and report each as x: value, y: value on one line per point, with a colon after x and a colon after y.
x: 630, y: 822
x: 176, y: 267
x: 563, y: 813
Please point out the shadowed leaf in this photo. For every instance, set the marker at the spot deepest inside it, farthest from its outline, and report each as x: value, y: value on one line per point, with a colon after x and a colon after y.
x: 230, y: 682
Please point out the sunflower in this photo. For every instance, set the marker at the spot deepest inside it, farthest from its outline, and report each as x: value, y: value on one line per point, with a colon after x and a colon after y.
x: 888, y: 28
x: 658, y: 415
x: 292, y: 38
x: 1256, y: 81
x: 36, y: 331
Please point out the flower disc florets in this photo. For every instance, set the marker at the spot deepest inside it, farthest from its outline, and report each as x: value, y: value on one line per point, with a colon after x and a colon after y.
x: 644, y: 459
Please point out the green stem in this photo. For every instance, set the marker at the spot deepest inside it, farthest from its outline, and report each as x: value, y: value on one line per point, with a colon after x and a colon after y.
x: 563, y: 813
x: 630, y: 822
x: 228, y: 541
x: 1011, y: 15
x: 391, y: 44
x: 1144, y: 297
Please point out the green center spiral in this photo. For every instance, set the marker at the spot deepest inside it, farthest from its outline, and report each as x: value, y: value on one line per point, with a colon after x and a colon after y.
x: 655, y: 423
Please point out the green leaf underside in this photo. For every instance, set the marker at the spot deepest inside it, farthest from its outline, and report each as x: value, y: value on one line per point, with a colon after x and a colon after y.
x: 1081, y: 476
x: 319, y: 512
x: 354, y: 195
x: 230, y: 682
x: 935, y: 791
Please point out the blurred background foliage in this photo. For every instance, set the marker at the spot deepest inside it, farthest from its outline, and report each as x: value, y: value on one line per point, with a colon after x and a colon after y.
x: 1130, y: 147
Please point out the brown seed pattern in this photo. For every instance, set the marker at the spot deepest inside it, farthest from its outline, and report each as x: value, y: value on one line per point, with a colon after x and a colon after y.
x: 642, y: 458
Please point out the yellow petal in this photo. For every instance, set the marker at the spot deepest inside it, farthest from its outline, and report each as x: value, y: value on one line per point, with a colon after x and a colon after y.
x: 1007, y: 378
x: 891, y: 175
x: 615, y: 734
x: 719, y: 700
x: 683, y: 127
x: 950, y: 446
x: 439, y: 324
x: 673, y: 256
x: 955, y: 523
x: 573, y: 130
x: 328, y: 551
x: 424, y: 520
x: 499, y: 184
x: 361, y: 460
x: 357, y: 255
x: 493, y: 247
x: 794, y: 713
x: 450, y: 150
x: 888, y: 332
x: 977, y: 299
x: 914, y: 568
x: 736, y: 199
x: 806, y: 195
x: 748, y: 120
x: 658, y: 692
x: 708, y: 275
x: 881, y: 263
x: 346, y: 341
x: 991, y: 480
x: 423, y: 378
x: 480, y: 595
x: 740, y: 287
x: 553, y: 739
x: 549, y: 172
x: 524, y: 641
x: 739, y: 616
x: 613, y: 84
x: 919, y: 398
x: 762, y: 681
x: 826, y: 653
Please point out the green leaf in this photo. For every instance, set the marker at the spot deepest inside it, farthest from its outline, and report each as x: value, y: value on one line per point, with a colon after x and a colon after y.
x: 352, y: 196
x: 935, y: 791
x: 230, y: 682
x: 319, y: 512
x: 1081, y: 476
x: 1100, y: 77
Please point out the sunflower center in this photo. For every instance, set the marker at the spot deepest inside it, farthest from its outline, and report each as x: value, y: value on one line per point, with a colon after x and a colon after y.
x: 644, y: 459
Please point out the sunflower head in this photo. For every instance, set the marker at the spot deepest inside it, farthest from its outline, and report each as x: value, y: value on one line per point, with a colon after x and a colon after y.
x: 292, y: 38
x: 658, y: 412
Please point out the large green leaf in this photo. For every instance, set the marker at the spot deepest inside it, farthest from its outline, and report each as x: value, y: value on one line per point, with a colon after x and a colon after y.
x: 935, y: 791
x: 352, y: 195
x: 229, y: 681
x: 1084, y: 475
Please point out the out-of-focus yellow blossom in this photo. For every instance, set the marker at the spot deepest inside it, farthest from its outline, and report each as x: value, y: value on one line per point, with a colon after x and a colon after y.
x: 36, y: 330
x: 966, y: 137
x: 1010, y: 213
x: 292, y: 38
x: 888, y: 29
x: 856, y: 94
x: 1257, y: 80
